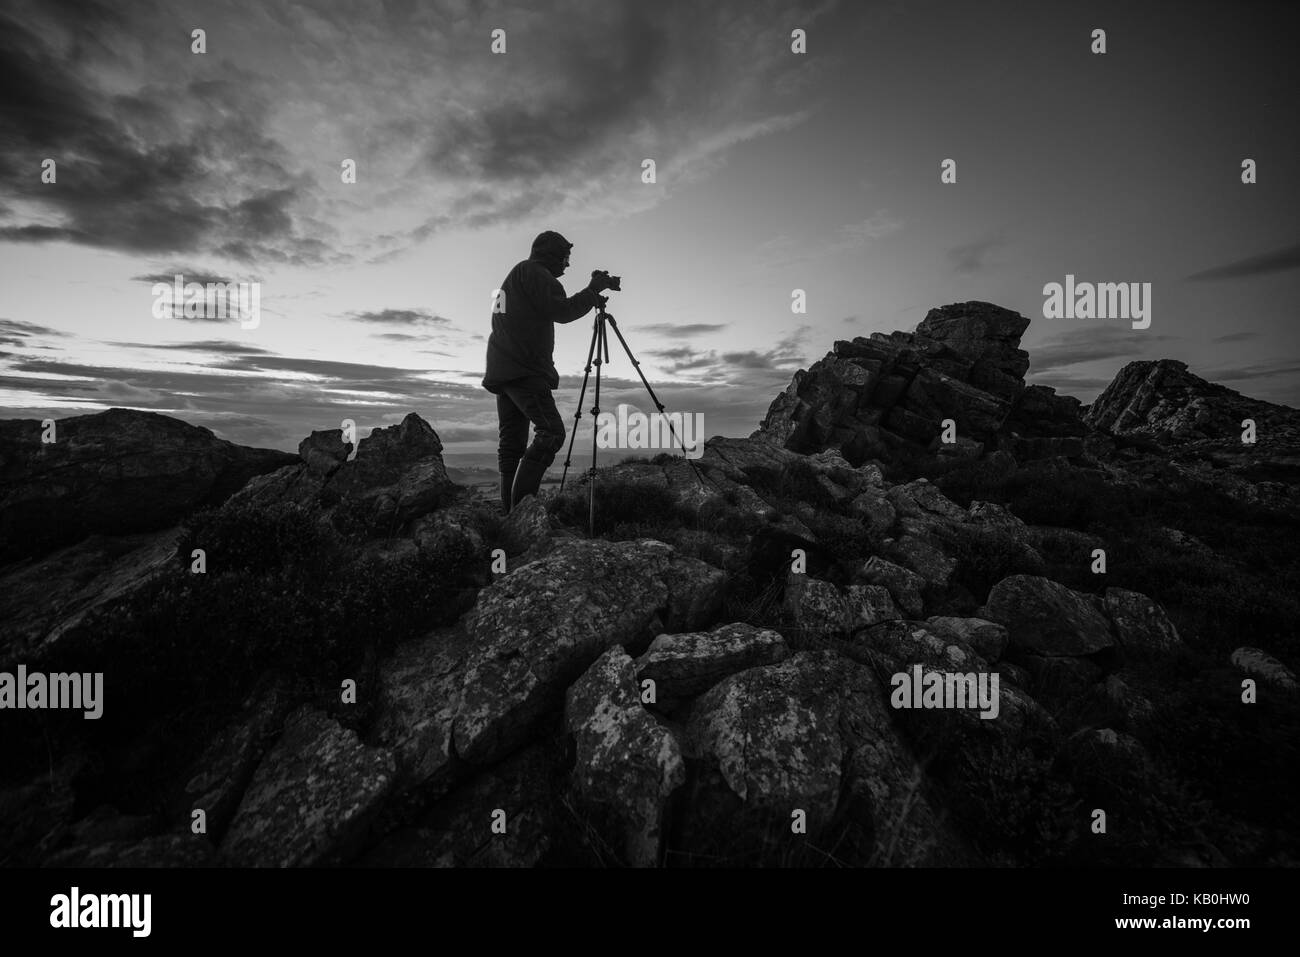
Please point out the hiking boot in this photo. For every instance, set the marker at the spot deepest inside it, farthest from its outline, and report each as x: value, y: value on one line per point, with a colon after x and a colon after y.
x: 528, y: 479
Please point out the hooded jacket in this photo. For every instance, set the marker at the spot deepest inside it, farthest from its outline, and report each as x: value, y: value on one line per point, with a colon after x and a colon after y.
x: 522, y: 342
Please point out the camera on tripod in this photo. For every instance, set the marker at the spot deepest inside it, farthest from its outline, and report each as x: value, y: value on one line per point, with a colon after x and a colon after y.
x: 611, y: 282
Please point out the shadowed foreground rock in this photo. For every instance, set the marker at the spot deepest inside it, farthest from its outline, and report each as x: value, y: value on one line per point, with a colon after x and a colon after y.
x: 114, y: 472
x: 627, y: 763
x: 687, y: 664
x: 42, y: 599
x: 812, y: 734
x: 537, y: 629
x: 1046, y: 618
x: 311, y: 799
x: 691, y: 700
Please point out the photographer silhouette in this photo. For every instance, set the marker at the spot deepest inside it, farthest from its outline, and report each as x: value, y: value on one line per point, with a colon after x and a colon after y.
x: 520, y: 362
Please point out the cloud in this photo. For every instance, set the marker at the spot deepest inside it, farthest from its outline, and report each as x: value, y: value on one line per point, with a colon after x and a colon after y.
x: 1249, y: 371
x: 1279, y: 260
x: 15, y: 333
x: 213, y: 346
x: 144, y: 163
x: 724, y: 368
x: 1090, y: 344
x: 1236, y: 337
x: 1082, y: 386
x: 201, y: 276
x: 224, y: 390
x: 402, y: 317
x: 970, y: 258
x: 237, y: 154
x: 684, y: 330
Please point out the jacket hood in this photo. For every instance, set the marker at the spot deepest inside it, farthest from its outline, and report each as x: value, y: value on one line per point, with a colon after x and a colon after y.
x: 550, y: 248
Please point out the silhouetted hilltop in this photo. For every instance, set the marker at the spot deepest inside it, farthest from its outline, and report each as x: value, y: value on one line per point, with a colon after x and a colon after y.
x: 342, y: 657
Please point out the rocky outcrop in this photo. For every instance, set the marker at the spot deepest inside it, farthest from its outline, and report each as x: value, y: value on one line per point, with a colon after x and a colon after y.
x: 536, y: 630
x: 628, y: 764
x: 396, y: 476
x: 805, y: 744
x: 963, y: 363
x: 218, y: 779
x: 1162, y: 399
x: 1173, y: 425
x: 687, y: 696
x: 505, y: 816
x: 116, y: 472
x: 312, y: 798
x: 419, y: 693
x: 42, y: 599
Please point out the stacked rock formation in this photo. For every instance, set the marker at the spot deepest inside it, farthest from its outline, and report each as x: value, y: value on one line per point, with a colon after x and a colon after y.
x: 963, y: 363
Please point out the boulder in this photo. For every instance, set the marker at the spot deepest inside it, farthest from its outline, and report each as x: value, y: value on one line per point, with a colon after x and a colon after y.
x: 869, y: 605
x: 217, y: 780
x: 398, y: 470
x: 1045, y: 618
x: 686, y: 664
x: 903, y: 584
x: 923, y: 556
x: 419, y: 694
x: 1140, y: 624
x: 527, y: 527
x: 396, y: 476
x: 312, y: 798
x: 816, y: 606
x: 987, y: 638
x: 162, y: 851
x: 533, y: 632
x: 627, y: 764
x: 873, y: 508
x: 505, y: 816
x: 810, y: 734
x: 324, y: 451
x: 1260, y: 664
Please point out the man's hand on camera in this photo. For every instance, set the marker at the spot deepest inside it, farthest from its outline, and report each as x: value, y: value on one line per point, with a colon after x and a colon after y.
x: 599, y: 281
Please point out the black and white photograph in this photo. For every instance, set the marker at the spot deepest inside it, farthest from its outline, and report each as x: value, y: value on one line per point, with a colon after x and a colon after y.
x: 852, y: 436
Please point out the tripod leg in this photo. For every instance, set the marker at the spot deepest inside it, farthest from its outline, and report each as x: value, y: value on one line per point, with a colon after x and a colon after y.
x: 658, y: 405
x: 601, y: 348
x: 581, y: 395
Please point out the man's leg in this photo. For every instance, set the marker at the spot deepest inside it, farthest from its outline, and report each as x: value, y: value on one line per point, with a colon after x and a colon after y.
x: 513, y: 434
x: 534, y: 401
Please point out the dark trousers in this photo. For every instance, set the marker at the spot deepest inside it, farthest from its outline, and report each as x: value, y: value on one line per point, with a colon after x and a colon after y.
x: 519, y: 403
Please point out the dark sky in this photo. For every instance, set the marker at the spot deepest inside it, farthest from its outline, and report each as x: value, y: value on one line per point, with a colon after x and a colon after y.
x: 775, y: 172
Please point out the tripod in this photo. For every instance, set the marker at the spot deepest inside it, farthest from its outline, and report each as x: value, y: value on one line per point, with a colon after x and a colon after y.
x: 597, y: 354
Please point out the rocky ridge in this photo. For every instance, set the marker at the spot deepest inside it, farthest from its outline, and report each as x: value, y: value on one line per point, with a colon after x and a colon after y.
x: 612, y: 699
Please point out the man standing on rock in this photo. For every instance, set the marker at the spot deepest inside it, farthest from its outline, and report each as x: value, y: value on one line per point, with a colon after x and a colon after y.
x: 520, y: 365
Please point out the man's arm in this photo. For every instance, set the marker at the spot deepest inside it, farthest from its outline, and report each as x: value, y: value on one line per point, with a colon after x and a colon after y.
x: 548, y: 297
